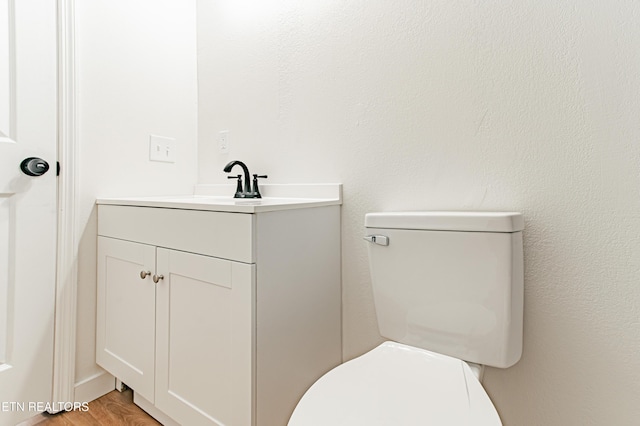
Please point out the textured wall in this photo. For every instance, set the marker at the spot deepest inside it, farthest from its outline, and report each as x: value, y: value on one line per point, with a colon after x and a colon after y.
x: 136, y: 74
x: 519, y: 105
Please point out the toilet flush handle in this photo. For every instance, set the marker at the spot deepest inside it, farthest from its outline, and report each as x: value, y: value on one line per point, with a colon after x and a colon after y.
x: 381, y: 240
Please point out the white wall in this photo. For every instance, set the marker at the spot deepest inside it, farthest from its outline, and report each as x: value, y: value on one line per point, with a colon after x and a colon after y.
x: 529, y: 105
x: 136, y: 66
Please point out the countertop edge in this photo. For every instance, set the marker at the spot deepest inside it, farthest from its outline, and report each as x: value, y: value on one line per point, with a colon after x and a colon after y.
x: 187, y: 205
x: 216, y: 197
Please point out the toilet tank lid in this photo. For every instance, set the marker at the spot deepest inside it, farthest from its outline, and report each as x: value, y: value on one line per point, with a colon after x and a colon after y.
x: 447, y: 221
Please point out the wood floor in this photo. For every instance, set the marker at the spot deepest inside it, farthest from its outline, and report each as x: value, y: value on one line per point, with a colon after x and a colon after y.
x: 115, y: 408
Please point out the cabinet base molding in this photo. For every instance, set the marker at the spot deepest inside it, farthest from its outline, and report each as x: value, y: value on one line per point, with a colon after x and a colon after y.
x: 94, y: 387
x: 153, y: 411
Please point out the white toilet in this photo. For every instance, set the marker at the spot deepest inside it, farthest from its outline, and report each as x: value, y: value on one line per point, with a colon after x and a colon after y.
x: 448, y: 290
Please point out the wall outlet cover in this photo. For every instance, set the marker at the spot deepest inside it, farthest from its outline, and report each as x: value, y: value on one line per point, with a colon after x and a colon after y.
x: 223, y: 142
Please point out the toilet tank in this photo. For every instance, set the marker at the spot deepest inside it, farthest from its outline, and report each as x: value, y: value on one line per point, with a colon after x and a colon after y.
x: 450, y: 282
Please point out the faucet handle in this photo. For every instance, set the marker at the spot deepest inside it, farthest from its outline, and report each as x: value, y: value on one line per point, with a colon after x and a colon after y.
x: 256, y: 190
x: 239, y: 185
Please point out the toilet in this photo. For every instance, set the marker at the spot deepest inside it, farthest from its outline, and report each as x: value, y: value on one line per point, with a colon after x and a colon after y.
x: 448, y: 292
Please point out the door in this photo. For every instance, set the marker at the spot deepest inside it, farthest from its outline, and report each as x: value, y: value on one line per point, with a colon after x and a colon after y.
x: 126, y: 313
x: 204, y: 339
x: 28, y: 128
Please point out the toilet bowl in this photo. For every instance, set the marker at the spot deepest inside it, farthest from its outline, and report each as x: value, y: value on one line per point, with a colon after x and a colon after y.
x: 448, y: 290
x: 396, y: 384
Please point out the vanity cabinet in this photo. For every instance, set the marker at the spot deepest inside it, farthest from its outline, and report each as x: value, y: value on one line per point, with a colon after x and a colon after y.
x: 244, y: 316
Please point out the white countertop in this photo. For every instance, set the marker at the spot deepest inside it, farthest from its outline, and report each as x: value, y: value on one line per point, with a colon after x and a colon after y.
x: 210, y: 198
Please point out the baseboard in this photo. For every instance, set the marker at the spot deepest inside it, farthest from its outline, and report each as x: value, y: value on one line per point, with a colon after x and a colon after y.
x: 94, y: 387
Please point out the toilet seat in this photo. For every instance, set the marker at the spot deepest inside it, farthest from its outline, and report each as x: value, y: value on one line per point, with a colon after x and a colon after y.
x: 396, y: 384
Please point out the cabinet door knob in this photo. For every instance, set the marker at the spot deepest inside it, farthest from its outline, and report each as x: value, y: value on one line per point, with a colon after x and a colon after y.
x: 157, y: 278
x: 144, y: 274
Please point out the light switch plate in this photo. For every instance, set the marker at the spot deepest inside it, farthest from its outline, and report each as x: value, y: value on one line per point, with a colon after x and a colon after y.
x: 162, y: 149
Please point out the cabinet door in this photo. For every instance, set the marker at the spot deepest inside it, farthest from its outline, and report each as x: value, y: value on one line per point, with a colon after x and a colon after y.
x: 204, y: 346
x: 125, y: 331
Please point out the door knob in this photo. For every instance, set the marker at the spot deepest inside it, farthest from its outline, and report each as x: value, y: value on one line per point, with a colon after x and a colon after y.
x: 144, y: 274
x: 157, y: 278
x: 34, y: 166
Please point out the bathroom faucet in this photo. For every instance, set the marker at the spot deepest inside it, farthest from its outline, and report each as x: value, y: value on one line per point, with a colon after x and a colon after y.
x: 245, y: 192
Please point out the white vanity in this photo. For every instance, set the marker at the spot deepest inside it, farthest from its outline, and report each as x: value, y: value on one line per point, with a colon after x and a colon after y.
x: 220, y: 311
